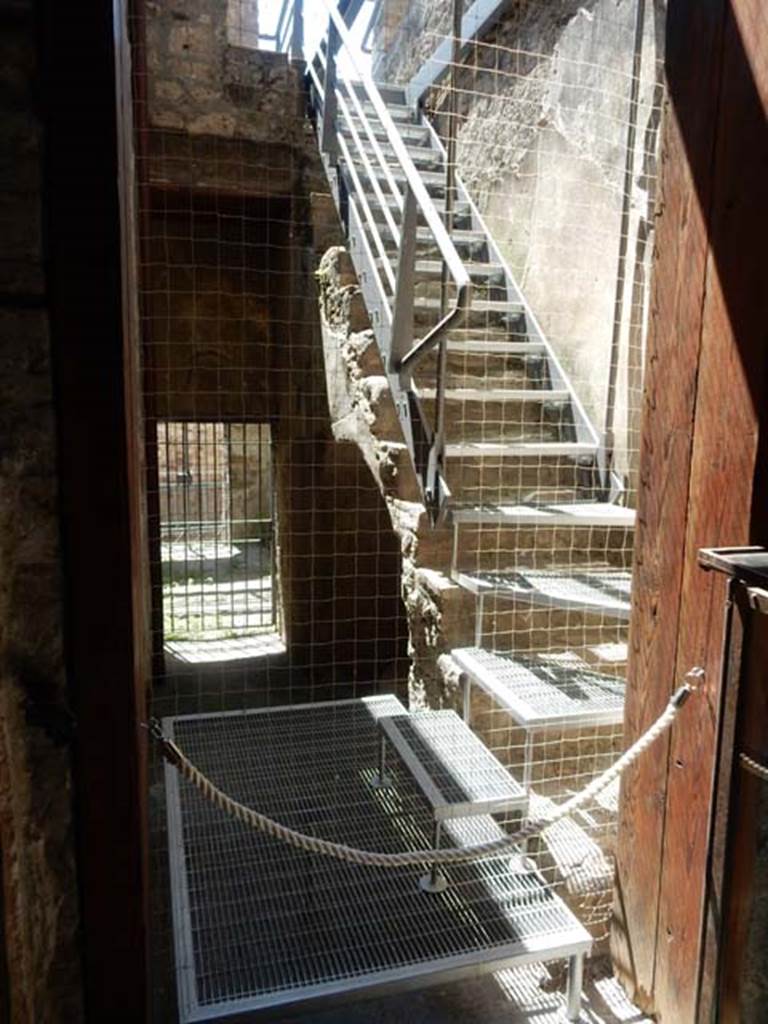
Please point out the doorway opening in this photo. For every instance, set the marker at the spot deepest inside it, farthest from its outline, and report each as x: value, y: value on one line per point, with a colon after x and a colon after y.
x: 217, y: 539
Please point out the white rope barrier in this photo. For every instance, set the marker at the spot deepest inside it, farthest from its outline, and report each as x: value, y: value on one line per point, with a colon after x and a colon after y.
x: 450, y: 855
x: 754, y: 767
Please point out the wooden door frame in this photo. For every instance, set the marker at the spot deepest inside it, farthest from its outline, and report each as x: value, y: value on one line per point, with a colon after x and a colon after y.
x: 704, y: 446
x: 91, y: 264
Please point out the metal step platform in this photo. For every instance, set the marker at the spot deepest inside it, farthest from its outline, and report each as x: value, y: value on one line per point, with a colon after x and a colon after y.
x: 581, y: 514
x: 454, y: 769
x: 539, y: 693
x: 261, y: 927
x: 597, y: 591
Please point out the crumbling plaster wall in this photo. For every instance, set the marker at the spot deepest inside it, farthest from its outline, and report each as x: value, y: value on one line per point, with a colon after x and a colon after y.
x: 40, y: 980
x: 543, y: 109
x: 439, y: 613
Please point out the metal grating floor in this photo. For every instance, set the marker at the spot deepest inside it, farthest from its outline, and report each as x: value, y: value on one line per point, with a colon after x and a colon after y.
x: 259, y: 925
x: 602, y: 591
x: 452, y: 766
x: 538, y: 693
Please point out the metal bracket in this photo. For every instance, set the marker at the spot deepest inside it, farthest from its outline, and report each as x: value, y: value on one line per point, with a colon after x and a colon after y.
x: 748, y: 565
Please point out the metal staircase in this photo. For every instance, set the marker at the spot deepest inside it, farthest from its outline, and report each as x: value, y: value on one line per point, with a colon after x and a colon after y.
x: 502, y: 446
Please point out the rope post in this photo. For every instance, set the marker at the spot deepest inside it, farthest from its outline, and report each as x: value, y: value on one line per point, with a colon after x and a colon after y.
x: 434, y: 880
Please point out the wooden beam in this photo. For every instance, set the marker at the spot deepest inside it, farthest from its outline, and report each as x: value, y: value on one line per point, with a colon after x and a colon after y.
x: 731, y: 413
x: 88, y: 95
x: 693, y: 33
x: 701, y: 480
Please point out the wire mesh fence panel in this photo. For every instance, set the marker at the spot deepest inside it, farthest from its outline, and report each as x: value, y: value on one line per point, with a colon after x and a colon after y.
x: 394, y: 288
x: 216, y: 531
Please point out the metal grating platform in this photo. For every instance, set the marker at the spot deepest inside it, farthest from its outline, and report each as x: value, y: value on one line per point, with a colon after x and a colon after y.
x: 598, y: 591
x: 259, y: 925
x: 452, y: 767
x: 538, y: 693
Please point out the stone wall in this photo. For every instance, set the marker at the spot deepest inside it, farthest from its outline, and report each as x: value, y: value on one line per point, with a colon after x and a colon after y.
x: 363, y: 416
x: 543, y: 109
x: 232, y: 333
x: 199, y: 83
x: 232, y: 327
x: 40, y: 979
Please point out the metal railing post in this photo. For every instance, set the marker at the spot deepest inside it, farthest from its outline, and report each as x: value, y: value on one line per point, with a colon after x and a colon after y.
x: 329, y: 142
x: 297, y: 34
x: 438, y: 441
x: 402, y: 313
x: 609, y: 439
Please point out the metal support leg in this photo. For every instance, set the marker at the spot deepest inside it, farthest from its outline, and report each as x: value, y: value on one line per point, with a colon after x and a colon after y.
x: 467, y: 703
x: 381, y: 779
x: 525, y: 846
x: 479, y: 620
x: 575, y: 983
x: 528, y: 760
x: 434, y: 880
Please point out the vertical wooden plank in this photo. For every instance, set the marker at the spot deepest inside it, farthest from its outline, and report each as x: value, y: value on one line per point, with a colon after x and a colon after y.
x: 730, y: 412
x: 693, y: 41
x: 100, y: 479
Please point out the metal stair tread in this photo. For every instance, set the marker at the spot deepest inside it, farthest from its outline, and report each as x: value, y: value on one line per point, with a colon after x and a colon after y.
x: 538, y: 692
x: 453, y: 768
x: 404, y: 128
x: 478, y: 306
x: 582, y: 514
x: 479, y: 346
x: 398, y: 112
x: 499, y: 394
x: 428, y: 177
x: 513, y: 449
x: 428, y: 270
x: 459, y: 235
x: 604, y: 590
x: 417, y: 151
x: 434, y: 268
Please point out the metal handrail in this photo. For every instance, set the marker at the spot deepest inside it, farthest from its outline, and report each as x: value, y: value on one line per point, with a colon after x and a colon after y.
x: 402, y: 354
x: 288, y: 36
x: 413, y: 178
